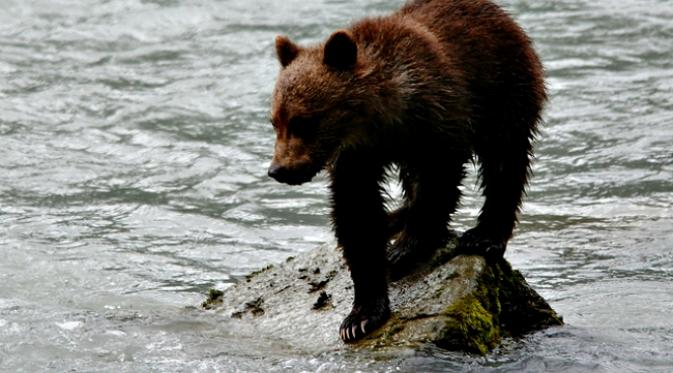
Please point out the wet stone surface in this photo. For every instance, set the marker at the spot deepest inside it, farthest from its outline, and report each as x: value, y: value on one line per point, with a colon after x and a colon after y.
x: 458, y: 303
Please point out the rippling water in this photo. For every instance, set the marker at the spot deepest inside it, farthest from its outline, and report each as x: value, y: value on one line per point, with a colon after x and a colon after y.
x: 133, y: 147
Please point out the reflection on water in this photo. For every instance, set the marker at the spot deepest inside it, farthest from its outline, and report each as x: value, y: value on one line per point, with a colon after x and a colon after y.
x: 134, y: 143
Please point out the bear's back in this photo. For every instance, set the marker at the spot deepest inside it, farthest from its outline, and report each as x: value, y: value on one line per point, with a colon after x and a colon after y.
x: 494, y: 53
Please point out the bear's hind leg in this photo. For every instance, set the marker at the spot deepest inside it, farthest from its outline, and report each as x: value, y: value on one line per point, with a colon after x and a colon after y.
x: 397, y: 218
x: 396, y: 221
x: 431, y: 196
x: 504, y: 175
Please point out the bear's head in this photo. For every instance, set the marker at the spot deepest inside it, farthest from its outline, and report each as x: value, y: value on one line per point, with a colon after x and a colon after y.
x: 317, y: 105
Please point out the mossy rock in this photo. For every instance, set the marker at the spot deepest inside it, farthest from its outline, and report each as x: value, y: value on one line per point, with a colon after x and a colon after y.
x: 459, y: 303
x: 213, y: 300
x: 495, y: 302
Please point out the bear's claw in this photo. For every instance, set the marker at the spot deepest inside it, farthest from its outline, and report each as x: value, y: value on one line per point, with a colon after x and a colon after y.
x: 363, y: 320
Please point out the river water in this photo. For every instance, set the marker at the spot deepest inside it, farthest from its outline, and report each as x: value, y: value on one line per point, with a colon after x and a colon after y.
x: 133, y: 149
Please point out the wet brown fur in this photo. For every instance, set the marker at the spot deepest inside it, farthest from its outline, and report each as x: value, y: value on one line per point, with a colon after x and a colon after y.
x: 426, y: 89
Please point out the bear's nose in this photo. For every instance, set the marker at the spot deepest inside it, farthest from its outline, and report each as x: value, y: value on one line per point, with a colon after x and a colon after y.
x: 290, y: 175
x: 276, y: 171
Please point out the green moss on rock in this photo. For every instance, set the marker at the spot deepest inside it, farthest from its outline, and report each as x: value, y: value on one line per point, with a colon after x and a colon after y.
x: 469, y: 327
x: 214, y: 299
x: 502, y: 305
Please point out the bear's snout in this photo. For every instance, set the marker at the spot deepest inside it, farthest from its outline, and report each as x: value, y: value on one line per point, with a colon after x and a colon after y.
x: 291, y: 176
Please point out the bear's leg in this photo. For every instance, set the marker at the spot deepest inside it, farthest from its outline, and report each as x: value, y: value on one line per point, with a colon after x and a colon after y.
x: 428, y: 206
x: 504, y: 175
x: 359, y: 221
x: 397, y: 218
x: 396, y: 221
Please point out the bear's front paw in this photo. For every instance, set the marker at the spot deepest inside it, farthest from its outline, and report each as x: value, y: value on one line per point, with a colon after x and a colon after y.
x: 364, y: 319
x: 475, y: 242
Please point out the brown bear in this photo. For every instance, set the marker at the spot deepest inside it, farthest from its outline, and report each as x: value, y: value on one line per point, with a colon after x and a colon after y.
x: 426, y: 88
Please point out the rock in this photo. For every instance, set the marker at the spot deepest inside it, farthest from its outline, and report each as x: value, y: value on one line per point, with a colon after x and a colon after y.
x: 461, y: 304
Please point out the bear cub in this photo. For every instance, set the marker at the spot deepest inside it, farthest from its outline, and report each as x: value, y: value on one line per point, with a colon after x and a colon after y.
x: 427, y: 89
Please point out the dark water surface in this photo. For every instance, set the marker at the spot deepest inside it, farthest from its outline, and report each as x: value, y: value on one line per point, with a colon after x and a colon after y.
x: 133, y: 147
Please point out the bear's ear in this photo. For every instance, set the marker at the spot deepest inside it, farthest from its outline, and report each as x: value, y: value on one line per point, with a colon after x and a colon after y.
x: 286, y: 50
x: 341, y: 52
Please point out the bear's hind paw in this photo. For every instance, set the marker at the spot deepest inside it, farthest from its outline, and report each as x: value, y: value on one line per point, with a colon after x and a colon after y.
x: 474, y: 242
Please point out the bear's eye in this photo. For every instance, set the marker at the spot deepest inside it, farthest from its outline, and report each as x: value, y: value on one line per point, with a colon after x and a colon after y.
x: 301, y: 126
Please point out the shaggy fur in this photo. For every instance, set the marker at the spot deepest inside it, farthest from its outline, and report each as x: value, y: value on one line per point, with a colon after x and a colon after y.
x: 425, y: 88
